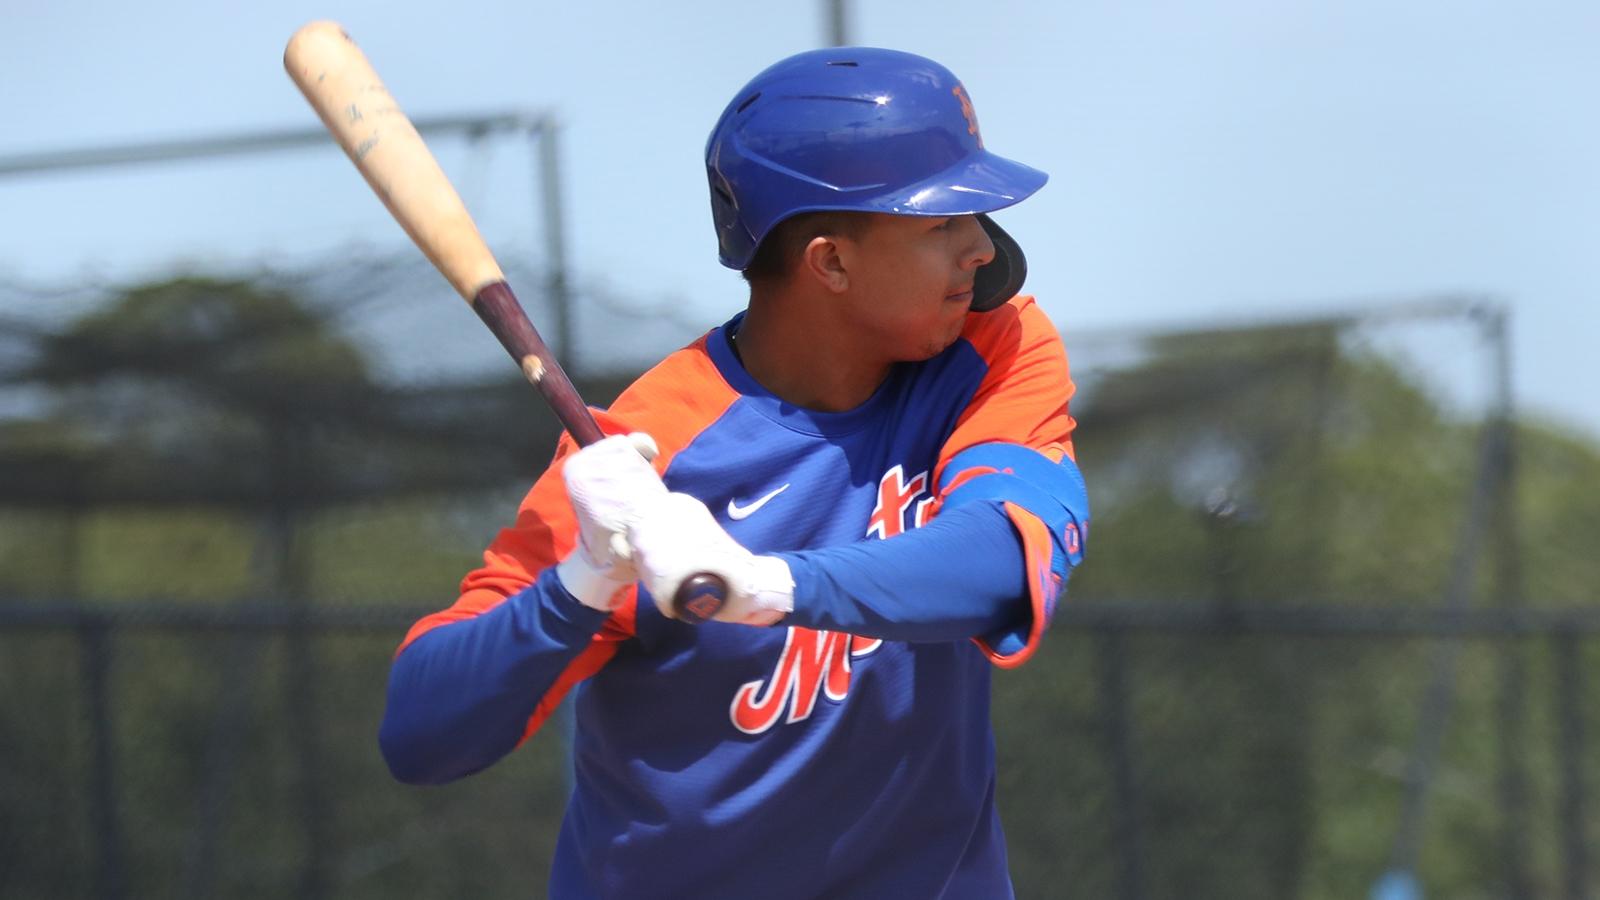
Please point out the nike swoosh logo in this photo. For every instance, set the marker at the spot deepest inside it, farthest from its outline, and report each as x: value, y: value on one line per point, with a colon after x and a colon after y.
x: 735, y: 511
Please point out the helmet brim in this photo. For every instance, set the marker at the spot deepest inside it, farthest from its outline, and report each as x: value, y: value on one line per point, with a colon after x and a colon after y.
x: 981, y: 184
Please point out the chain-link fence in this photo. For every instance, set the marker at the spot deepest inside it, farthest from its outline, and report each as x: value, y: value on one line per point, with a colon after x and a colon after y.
x: 1150, y: 751
x: 1334, y: 622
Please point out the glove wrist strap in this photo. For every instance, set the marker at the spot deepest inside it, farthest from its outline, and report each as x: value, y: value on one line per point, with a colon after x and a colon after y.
x: 585, y: 583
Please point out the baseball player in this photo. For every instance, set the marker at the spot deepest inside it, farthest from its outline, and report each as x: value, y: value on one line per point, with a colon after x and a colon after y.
x: 875, y: 455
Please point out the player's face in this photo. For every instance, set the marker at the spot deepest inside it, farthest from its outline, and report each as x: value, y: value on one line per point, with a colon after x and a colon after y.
x: 911, y: 281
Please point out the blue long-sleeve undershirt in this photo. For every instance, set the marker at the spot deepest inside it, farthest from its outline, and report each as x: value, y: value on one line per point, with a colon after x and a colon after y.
x: 957, y: 577
x: 460, y: 696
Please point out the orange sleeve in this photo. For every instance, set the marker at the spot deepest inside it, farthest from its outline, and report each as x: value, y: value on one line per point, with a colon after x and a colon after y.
x: 1023, y: 398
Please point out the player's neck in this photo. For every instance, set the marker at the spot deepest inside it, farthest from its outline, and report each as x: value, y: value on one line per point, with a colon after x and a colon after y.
x: 795, y: 353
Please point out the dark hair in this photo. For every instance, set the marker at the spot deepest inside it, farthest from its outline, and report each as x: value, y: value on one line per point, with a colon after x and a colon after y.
x: 781, y: 248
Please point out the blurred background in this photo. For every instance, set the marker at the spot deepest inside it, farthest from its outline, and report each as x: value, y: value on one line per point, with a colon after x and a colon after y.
x: 1326, y: 272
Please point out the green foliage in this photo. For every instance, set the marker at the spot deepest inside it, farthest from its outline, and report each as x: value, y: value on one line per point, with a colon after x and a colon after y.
x: 213, y: 327
x: 176, y: 555
x: 398, y: 551
x: 1558, y: 516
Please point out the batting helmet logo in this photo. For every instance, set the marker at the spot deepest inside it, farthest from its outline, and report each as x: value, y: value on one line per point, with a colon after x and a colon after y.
x: 970, y: 114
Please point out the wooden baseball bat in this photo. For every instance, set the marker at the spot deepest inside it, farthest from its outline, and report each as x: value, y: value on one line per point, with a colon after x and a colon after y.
x: 379, y: 138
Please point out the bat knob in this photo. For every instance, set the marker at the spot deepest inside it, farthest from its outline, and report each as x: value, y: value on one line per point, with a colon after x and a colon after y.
x: 699, y: 597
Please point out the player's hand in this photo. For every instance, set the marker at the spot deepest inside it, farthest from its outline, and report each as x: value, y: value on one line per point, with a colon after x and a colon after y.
x: 606, y: 482
x: 674, y: 537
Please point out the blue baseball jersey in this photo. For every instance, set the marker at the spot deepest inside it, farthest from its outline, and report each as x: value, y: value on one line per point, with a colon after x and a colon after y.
x: 731, y: 761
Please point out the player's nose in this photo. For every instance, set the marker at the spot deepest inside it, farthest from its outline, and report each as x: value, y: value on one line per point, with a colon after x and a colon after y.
x: 978, y: 248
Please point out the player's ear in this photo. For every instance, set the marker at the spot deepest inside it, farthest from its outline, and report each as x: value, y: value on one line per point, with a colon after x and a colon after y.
x: 823, y: 259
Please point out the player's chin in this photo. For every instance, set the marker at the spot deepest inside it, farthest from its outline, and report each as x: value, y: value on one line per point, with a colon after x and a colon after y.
x: 948, y: 335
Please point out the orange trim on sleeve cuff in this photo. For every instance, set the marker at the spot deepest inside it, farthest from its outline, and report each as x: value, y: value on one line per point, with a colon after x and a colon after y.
x: 1043, y: 585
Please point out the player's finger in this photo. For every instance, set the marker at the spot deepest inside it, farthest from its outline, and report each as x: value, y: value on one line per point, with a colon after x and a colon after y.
x: 645, y: 444
x: 621, y: 550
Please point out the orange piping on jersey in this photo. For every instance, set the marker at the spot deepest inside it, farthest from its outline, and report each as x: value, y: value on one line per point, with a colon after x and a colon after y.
x: 591, y: 660
x: 959, y: 479
x: 469, y: 606
x: 966, y: 475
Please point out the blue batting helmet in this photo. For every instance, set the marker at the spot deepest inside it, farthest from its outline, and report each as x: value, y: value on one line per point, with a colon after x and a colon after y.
x: 866, y: 130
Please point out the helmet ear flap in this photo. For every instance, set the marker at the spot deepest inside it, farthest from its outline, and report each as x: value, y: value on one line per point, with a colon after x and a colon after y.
x: 1001, y: 278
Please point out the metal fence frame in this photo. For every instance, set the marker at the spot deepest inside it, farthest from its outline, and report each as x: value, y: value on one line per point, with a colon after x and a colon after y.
x: 1108, y: 623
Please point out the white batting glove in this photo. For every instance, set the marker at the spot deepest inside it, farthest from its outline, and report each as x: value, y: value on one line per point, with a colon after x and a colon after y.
x: 674, y: 537
x: 605, y: 482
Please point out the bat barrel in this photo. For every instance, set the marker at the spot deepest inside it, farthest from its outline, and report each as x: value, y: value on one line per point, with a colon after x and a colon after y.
x: 366, y: 121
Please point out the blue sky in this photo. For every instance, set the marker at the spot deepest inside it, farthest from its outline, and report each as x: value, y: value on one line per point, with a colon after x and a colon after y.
x: 1236, y: 160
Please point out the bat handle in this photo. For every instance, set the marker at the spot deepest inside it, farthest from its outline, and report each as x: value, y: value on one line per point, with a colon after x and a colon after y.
x: 699, y: 597
x: 497, y: 306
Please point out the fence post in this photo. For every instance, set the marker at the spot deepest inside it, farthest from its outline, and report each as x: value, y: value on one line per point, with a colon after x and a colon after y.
x: 1569, y: 706
x: 1511, y: 735
x: 1112, y: 664
x: 1511, y: 711
x: 220, y: 767
x: 94, y: 647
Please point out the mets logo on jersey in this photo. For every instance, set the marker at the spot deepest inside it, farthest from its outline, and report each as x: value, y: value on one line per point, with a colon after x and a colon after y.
x: 902, y: 504
x: 815, y: 664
